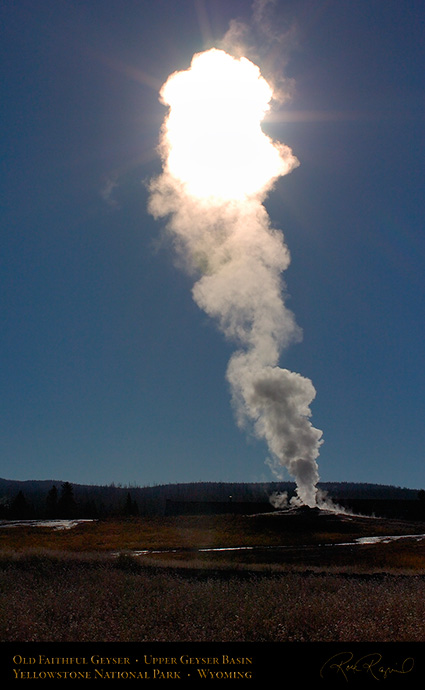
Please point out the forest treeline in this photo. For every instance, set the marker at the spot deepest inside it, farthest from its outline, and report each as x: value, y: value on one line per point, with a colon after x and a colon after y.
x: 26, y: 500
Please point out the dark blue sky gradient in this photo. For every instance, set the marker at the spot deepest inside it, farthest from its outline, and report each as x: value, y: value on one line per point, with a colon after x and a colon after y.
x: 108, y: 370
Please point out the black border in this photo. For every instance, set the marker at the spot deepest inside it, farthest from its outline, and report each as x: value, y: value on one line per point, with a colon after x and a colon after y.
x: 400, y: 664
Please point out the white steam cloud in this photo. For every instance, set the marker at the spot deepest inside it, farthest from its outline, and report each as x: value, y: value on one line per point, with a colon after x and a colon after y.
x: 218, y: 167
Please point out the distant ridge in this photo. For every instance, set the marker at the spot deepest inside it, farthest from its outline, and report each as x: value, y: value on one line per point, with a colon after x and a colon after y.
x: 43, y: 499
x: 214, y: 490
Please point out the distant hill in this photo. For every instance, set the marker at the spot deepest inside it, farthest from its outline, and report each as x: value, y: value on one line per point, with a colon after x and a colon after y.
x: 39, y: 498
x: 215, y: 490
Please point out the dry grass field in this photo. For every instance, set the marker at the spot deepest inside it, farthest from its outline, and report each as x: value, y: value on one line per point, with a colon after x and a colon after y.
x: 297, y: 578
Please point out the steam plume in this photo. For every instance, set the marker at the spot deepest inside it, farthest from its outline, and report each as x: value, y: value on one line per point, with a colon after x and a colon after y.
x: 218, y: 167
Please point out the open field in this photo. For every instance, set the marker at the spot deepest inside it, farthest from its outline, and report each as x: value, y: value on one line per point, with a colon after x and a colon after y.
x: 277, y: 541
x: 84, y: 584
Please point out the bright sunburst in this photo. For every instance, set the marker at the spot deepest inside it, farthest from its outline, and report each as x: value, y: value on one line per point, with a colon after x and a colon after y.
x: 213, y: 136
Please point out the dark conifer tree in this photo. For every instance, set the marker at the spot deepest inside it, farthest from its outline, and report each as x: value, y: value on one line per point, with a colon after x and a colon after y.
x: 52, y: 503
x: 67, y: 506
x: 20, y: 509
x: 131, y: 508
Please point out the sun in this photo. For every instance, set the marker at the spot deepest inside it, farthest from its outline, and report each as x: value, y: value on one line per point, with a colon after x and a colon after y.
x: 212, y: 137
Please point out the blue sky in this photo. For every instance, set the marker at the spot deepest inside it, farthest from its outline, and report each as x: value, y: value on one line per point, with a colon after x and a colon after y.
x: 109, y: 372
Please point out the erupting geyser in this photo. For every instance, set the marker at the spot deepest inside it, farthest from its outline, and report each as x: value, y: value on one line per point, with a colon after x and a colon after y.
x: 218, y: 167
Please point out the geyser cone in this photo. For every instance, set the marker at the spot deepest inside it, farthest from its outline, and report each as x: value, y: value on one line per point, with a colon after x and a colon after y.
x: 218, y: 166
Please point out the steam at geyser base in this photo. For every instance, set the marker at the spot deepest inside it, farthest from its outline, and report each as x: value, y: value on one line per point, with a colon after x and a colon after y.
x: 218, y: 167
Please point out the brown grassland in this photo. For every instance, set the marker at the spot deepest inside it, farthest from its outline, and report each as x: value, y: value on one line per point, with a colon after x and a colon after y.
x: 278, y: 578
